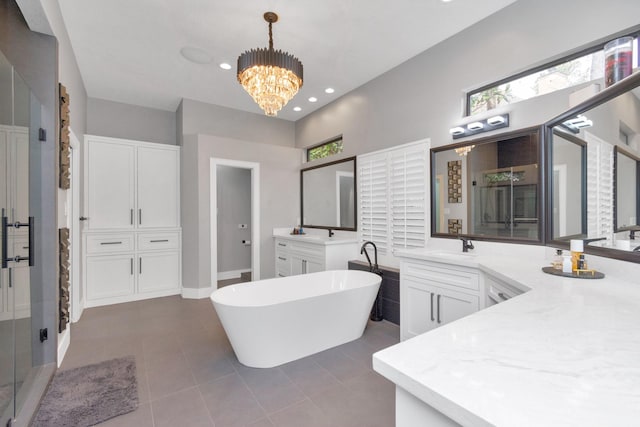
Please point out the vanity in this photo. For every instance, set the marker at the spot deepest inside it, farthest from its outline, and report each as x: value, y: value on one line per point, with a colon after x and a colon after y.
x: 565, y: 352
x: 302, y: 254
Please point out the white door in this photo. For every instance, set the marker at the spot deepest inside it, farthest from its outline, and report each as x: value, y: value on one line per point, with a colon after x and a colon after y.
x: 110, y: 276
x: 452, y: 305
x: 158, y: 271
x: 158, y: 174
x: 418, y: 302
x: 109, y: 188
x: 19, y: 161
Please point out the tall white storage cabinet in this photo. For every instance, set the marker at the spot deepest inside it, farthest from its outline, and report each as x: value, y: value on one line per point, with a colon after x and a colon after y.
x: 132, y: 236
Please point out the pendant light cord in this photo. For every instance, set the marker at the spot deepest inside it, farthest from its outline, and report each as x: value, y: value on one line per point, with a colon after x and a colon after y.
x: 270, y: 37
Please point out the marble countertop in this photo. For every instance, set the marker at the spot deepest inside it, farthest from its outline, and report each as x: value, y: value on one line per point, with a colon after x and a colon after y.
x: 317, y: 239
x: 567, y: 352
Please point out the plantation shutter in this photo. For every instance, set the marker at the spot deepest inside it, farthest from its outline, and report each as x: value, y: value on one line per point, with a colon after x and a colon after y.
x: 373, y: 199
x: 409, y: 197
x: 393, y: 201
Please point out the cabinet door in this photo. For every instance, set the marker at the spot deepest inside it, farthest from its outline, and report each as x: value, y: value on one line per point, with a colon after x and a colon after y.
x: 296, y: 264
x: 19, y: 163
x: 109, y: 276
x: 158, y: 271
x: 158, y: 182
x: 452, y: 305
x: 313, y: 266
x: 110, y: 185
x: 417, y: 308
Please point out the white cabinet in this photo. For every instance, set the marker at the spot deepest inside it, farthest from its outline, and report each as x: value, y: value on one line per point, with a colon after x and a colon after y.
x: 498, y: 290
x: 300, y: 255
x: 433, y: 294
x: 132, y: 237
x: 110, y: 276
x: 131, y: 184
x: 158, y: 271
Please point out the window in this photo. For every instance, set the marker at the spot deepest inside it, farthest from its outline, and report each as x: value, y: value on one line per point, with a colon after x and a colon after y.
x: 393, y: 197
x: 573, y: 70
x: 325, y: 150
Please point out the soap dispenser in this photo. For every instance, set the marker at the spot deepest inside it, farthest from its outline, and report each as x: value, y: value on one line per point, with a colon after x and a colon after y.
x: 557, y: 260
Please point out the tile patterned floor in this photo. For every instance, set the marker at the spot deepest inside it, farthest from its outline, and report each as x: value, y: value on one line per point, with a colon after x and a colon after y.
x: 189, y: 376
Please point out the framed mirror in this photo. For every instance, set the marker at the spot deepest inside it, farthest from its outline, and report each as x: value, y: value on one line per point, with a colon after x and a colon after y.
x: 568, y: 185
x: 328, y: 195
x: 607, y: 127
x: 626, y: 180
x: 488, y: 189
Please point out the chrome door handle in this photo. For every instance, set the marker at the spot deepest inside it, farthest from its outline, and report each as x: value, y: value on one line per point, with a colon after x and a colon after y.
x: 432, y: 319
x: 439, y: 308
x: 503, y: 296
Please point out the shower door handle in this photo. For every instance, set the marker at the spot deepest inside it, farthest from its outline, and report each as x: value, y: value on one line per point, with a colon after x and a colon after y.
x: 5, y: 228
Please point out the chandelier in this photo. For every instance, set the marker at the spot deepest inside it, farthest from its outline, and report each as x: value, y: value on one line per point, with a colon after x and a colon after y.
x: 463, y: 151
x: 271, y: 77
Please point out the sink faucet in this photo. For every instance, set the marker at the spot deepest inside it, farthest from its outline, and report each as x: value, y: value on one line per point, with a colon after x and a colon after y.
x: 632, y: 234
x: 363, y: 250
x: 466, y: 244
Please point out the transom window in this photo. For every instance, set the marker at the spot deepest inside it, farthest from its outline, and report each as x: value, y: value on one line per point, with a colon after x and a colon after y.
x: 566, y: 72
x: 325, y: 149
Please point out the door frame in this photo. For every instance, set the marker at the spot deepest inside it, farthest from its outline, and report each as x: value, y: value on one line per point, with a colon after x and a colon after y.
x: 73, y: 222
x: 255, y: 215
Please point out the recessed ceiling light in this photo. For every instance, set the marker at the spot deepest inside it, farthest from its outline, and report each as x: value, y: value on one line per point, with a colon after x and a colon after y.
x: 225, y: 66
x: 329, y: 90
x: 297, y: 109
x: 313, y: 99
x: 195, y: 54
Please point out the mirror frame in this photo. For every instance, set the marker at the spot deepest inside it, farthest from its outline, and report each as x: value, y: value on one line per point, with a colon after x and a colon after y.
x: 355, y: 195
x: 617, y: 150
x: 598, y: 99
x: 548, y: 140
x: 536, y: 131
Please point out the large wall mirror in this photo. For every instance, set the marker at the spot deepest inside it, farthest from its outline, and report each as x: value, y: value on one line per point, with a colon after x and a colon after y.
x: 488, y: 188
x: 625, y: 182
x: 594, y: 149
x: 328, y: 195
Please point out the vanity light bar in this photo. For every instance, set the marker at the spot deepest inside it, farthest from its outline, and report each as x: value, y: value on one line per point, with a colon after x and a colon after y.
x: 492, y: 123
x: 574, y: 125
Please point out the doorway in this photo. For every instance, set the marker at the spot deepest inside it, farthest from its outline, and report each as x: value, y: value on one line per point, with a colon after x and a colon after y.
x: 235, y: 220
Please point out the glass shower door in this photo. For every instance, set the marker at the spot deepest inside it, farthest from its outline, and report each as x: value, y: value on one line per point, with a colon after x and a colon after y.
x: 16, y: 359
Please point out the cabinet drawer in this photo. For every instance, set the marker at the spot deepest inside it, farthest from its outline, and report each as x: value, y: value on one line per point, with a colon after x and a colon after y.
x: 499, y: 291
x: 436, y: 274
x: 109, y: 243
x: 150, y: 241
x: 308, y: 250
x: 282, y: 244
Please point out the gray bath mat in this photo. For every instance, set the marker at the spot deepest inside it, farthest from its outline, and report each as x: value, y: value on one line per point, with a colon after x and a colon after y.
x: 90, y: 394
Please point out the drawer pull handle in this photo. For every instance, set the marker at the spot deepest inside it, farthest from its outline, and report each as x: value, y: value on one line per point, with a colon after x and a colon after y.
x: 281, y: 275
x: 110, y: 243
x: 503, y: 296
x: 283, y: 259
x: 282, y: 244
x: 159, y: 241
x: 432, y: 319
x: 25, y: 247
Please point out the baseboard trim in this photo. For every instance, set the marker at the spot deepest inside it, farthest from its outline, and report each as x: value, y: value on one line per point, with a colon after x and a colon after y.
x: 196, y: 293
x: 64, y: 340
x: 234, y: 274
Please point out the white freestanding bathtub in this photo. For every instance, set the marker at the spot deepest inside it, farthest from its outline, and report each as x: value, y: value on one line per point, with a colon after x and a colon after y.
x: 274, y: 321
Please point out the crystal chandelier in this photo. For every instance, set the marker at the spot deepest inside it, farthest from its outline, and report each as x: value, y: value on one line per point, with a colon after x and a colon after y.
x: 271, y: 77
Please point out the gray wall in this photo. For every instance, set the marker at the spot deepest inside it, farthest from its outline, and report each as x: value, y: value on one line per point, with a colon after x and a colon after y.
x: 34, y: 57
x: 279, y: 198
x: 118, y: 120
x: 234, y: 208
x: 424, y: 96
x: 201, y: 118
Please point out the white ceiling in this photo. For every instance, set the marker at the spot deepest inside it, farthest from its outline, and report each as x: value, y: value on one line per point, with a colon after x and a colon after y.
x: 129, y: 50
